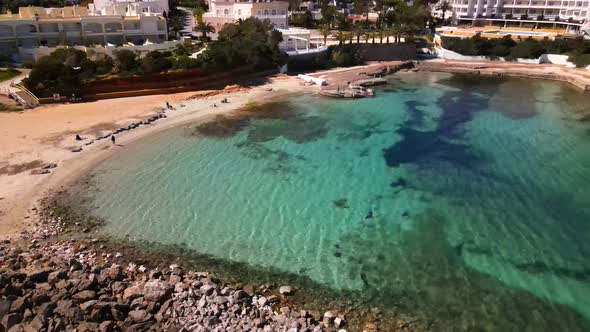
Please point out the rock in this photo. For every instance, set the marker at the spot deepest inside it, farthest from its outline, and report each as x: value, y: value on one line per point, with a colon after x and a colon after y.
x: 55, y: 276
x: 369, y: 327
x: 84, y: 296
x: 329, y: 316
x: 38, y: 323
x: 249, y: 289
x: 339, y: 322
x: 115, y: 273
x: 117, y: 314
x: 87, y: 306
x: 207, y: 289
x: 174, y: 279
x: 46, y: 309
x: 10, y: 320
x: 19, y: 305
x: 49, y: 166
x: 39, y: 276
x: 139, y: 327
x: 77, y: 149
x: 212, y: 321
x: 262, y: 301
x: 157, y: 290
x: 107, y: 326
x: 139, y: 315
x: 4, y: 307
x: 286, y: 290
x: 133, y: 292
x: 239, y: 295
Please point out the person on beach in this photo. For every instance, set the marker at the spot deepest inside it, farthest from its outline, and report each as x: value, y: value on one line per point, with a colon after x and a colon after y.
x: 78, y: 138
x: 113, y: 139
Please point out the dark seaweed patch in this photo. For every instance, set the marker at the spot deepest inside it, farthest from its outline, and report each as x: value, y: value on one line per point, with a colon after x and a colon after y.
x: 298, y: 129
x: 221, y: 127
x: 442, y: 143
x: 341, y: 203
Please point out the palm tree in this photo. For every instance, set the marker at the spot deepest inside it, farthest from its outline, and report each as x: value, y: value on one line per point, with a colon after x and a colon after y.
x: 358, y: 31
x: 381, y: 34
x: 198, y: 13
x: 396, y: 31
x: 367, y: 35
x: 204, y: 28
x: 325, y: 31
x: 176, y: 23
x: 444, y: 7
x: 341, y: 36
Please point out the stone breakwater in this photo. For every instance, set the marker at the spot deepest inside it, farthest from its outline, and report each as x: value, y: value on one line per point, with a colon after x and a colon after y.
x: 48, y: 283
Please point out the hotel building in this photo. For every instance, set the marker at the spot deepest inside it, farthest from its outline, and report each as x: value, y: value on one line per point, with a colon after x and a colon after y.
x: 101, y: 23
x: 223, y: 11
x: 569, y: 14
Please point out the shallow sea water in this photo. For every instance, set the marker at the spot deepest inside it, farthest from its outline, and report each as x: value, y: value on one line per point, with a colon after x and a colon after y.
x: 460, y: 200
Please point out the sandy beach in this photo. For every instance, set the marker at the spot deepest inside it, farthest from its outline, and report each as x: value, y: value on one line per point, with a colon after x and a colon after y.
x: 38, y: 138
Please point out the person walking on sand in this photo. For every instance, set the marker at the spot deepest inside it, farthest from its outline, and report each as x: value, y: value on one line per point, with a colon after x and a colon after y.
x: 113, y: 139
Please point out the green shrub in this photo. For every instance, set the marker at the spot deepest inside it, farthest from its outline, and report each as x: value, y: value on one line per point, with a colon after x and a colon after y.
x: 184, y: 62
x: 28, y: 64
x: 580, y: 60
x: 527, y: 49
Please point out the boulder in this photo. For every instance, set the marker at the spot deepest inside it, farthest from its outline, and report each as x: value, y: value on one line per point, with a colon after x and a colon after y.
x: 84, y: 296
x: 286, y: 290
x: 55, y: 276
x: 19, y: 304
x: 339, y: 322
x: 329, y: 316
x: 11, y: 320
x: 262, y: 301
x: 38, y: 276
x: 139, y: 315
x: 207, y: 289
x: 4, y: 307
x: 133, y: 292
x: 157, y: 290
x: 107, y: 326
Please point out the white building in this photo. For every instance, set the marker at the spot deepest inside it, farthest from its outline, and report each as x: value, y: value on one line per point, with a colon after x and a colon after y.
x: 569, y: 14
x: 224, y: 11
x: 78, y: 26
x: 140, y: 6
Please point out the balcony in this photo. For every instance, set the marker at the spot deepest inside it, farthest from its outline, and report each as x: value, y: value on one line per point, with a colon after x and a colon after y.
x: 271, y: 16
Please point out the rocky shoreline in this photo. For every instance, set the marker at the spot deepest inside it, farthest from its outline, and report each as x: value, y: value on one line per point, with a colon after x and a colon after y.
x: 57, y: 277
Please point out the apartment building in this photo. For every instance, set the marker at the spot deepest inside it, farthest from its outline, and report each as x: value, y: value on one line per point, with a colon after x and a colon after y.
x: 223, y: 11
x: 569, y: 14
x: 116, y: 24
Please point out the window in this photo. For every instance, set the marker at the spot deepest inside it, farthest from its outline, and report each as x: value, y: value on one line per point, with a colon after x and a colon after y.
x: 226, y: 12
x: 239, y: 12
x: 145, y: 10
x: 283, y: 12
x: 217, y: 12
x: 259, y: 13
x: 273, y: 12
x: 266, y: 12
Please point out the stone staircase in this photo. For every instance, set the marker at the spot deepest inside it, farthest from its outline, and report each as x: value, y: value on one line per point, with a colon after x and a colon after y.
x: 23, y: 96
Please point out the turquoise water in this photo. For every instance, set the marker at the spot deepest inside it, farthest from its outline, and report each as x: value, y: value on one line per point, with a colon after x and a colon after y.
x: 464, y: 201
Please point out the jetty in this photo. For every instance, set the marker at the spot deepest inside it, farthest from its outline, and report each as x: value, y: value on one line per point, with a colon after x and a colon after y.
x: 350, y: 91
x: 354, y: 82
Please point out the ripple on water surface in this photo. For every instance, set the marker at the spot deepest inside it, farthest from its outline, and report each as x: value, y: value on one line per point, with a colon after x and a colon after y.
x: 465, y: 202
